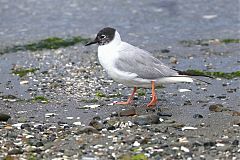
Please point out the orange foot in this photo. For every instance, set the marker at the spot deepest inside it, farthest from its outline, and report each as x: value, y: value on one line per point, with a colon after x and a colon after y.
x: 153, y: 102
x: 129, y: 99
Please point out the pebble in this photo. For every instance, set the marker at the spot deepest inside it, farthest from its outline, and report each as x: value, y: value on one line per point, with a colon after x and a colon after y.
x: 128, y: 112
x: 217, y: 108
x: 147, y: 119
x: 88, y: 130
x: 4, y: 117
x: 173, y: 60
x: 96, y: 124
x: 15, y: 151
x: 235, y: 113
x: 111, y: 124
x: 25, y: 126
x: 164, y: 114
x: 209, y: 144
x: 188, y: 128
x: 185, y: 149
x: 235, y: 142
x: 114, y: 114
x: 47, y: 115
x: 136, y: 144
x: 184, y: 90
x: 91, y: 106
x: 23, y: 82
x: 77, y: 123
x: 197, y: 116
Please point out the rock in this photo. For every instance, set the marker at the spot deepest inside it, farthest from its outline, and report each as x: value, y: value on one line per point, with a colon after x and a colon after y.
x: 187, y: 102
x: 236, y: 122
x: 129, y: 139
x: 35, y: 142
x: 188, y: 128
x: 128, y: 112
x: 96, y: 124
x: 173, y: 60
x: 197, y: 144
x: 235, y: 142
x: 169, y: 121
x: 176, y: 125
x: 112, y: 124
x: 147, y: 119
x: 4, y: 117
x: 40, y: 128
x: 15, y: 151
x: 52, y: 137
x: 221, y: 97
x: 89, y: 158
x: 97, y: 118
x: 197, y: 116
x: 217, y: 108
x: 25, y: 126
x: 114, y: 114
x: 164, y: 114
x: 136, y: 144
x: 185, y: 149
x: 235, y: 113
x: 88, y: 130
x: 22, y: 119
x: 209, y: 144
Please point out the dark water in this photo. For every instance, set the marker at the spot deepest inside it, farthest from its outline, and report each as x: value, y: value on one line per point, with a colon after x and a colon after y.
x: 152, y: 24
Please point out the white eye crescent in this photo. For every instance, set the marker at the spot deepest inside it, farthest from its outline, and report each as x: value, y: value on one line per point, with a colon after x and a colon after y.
x: 102, y: 36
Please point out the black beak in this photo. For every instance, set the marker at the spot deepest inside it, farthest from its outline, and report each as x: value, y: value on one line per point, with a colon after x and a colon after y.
x: 92, y: 42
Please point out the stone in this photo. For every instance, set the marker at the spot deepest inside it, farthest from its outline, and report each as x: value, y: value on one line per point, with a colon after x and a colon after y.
x: 128, y: 112
x: 217, y: 108
x: 96, y: 124
x: 164, y: 114
x: 15, y: 151
x: 25, y: 126
x: 4, y: 117
x: 88, y: 130
x: 147, y: 119
x: 197, y: 116
x: 235, y: 142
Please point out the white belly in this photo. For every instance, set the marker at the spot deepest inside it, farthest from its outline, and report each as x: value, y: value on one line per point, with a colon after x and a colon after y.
x: 107, y: 56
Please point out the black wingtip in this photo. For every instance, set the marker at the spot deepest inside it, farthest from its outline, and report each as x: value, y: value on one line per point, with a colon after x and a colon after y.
x: 189, y: 73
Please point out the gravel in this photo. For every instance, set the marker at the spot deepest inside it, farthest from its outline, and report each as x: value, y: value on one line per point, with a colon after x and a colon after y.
x: 64, y: 108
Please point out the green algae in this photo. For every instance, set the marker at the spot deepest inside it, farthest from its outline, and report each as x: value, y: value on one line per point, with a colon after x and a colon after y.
x: 102, y: 95
x: 139, y: 156
x: 141, y: 92
x: 230, y: 40
x: 12, y: 98
x: 40, y: 99
x: 229, y: 75
x: 21, y: 72
x: 49, y: 43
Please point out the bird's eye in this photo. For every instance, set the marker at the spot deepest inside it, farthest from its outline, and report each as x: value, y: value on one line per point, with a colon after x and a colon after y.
x: 102, y: 36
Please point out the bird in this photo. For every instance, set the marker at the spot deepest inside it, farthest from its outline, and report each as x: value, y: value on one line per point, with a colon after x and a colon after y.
x: 132, y: 66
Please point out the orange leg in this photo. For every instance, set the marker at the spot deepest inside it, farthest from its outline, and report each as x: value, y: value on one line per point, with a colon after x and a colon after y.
x: 130, y: 98
x: 154, y: 96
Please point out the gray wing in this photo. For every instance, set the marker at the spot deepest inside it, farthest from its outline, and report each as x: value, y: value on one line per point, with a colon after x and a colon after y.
x: 142, y: 63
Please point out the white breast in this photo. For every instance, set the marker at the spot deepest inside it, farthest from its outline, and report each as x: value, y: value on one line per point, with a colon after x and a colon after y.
x: 107, y: 55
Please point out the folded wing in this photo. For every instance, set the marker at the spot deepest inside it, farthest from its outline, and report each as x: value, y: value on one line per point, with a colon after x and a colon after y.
x: 142, y: 63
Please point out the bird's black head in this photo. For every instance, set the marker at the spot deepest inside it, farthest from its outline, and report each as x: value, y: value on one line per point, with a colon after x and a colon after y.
x: 104, y: 36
